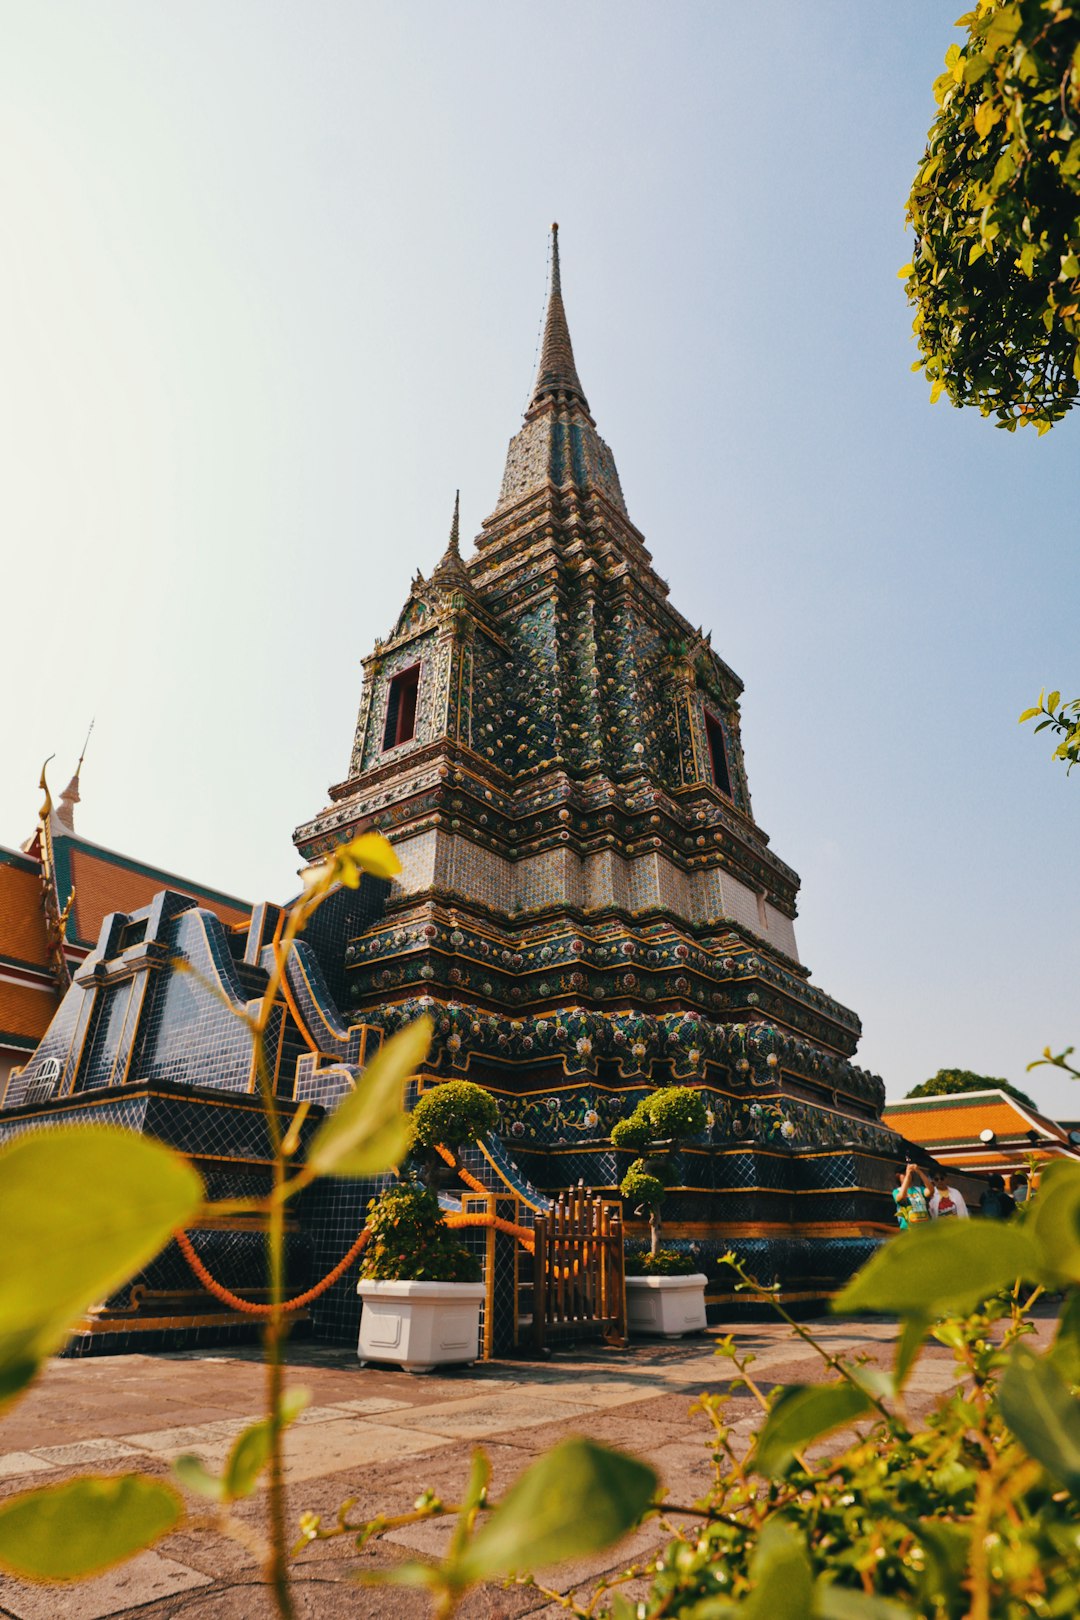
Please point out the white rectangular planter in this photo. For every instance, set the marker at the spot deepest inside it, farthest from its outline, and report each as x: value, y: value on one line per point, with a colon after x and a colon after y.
x: 667, y: 1306
x: 419, y: 1325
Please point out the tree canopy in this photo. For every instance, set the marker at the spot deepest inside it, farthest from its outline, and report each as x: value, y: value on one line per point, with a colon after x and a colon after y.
x: 995, y: 206
x: 949, y: 1081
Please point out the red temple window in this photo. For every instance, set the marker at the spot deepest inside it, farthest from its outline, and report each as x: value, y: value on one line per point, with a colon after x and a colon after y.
x: 718, y: 754
x: 401, y: 707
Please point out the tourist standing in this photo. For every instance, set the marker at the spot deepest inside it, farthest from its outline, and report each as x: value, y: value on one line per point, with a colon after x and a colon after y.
x: 995, y: 1203
x: 947, y: 1202
x: 911, y: 1199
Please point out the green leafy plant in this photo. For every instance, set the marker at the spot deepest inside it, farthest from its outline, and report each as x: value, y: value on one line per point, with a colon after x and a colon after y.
x: 664, y: 1263
x: 995, y: 207
x: 632, y: 1133
x: 410, y: 1240
x: 1062, y: 718
x: 448, y: 1116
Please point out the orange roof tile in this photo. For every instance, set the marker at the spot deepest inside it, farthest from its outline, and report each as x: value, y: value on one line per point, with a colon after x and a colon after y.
x: 26, y: 1009
x: 953, y: 1124
x: 22, y: 920
x: 103, y: 885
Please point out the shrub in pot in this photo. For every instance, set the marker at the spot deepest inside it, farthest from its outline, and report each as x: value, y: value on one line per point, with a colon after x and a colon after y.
x: 664, y: 1293
x: 421, y: 1287
x: 657, y: 1125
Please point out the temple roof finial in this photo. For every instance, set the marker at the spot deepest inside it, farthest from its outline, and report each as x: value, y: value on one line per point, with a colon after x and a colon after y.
x: 454, y: 548
x: 65, y: 811
x: 557, y: 375
x: 450, y: 567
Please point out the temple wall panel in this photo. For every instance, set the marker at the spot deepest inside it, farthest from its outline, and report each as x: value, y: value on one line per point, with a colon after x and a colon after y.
x: 782, y: 931
x: 417, y: 856
x: 552, y: 878
x: 606, y: 881
x: 740, y: 903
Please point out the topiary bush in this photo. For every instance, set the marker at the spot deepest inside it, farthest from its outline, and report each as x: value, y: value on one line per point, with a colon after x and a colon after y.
x: 448, y: 1116
x: 632, y: 1133
x: 453, y: 1112
x: 660, y: 1120
x: 675, y: 1113
x: 411, y: 1242
x: 647, y: 1192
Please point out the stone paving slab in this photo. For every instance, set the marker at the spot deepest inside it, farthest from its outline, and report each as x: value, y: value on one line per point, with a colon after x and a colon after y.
x: 146, y: 1578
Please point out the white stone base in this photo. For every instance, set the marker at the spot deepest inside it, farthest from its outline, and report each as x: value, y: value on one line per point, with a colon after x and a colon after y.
x: 666, y: 1306
x: 419, y: 1325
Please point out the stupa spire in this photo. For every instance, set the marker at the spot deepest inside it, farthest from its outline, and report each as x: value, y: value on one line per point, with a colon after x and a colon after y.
x: 450, y: 566
x: 556, y: 378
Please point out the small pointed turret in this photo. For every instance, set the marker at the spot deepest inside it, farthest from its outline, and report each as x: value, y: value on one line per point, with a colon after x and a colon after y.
x: 557, y: 377
x: 450, y: 568
x: 65, y: 810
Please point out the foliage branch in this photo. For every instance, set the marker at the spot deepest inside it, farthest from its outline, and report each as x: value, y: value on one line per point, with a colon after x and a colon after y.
x: 995, y: 208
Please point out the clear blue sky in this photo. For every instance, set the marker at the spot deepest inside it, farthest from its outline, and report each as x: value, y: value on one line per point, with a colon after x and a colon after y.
x: 271, y: 291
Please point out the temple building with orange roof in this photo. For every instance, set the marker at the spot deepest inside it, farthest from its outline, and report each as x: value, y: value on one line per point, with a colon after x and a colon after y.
x: 55, y: 892
x: 982, y: 1131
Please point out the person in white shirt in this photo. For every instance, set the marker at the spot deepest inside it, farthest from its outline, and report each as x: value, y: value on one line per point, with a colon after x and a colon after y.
x: 946, y: 1201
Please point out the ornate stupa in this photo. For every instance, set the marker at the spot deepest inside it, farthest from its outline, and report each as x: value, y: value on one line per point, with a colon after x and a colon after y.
x: 587, y: 905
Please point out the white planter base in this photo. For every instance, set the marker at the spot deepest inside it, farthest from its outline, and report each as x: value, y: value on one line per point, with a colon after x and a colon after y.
x: 666, y: 1306
x: 419, y: 1325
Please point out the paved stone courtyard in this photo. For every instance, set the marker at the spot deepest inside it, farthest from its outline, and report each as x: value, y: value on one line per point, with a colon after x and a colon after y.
x: 379, y: 1436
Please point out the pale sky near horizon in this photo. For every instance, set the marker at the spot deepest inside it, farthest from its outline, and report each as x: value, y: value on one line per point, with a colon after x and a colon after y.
x: 271, y: 290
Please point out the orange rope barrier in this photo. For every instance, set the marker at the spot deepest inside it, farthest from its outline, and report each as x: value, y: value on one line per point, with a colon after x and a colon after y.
x: 227, y: 1296
x: 522, y: 1233
x: 469, y: 1180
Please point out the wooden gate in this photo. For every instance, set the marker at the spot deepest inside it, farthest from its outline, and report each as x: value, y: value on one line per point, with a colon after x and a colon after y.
x: 579, y: 1289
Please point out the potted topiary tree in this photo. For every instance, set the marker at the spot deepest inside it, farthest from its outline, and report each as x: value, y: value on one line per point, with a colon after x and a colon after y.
x: 421, y: 1288
x: 665, y: 1293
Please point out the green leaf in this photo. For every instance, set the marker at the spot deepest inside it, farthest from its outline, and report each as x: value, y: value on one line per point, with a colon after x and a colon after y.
x: 86, y: 1525
x: 935, y: 1269
x: 81, y: 1208
x: 1065, y: 1351
x: 803, y: 1413
x: 783, y: 1579
x: 251, y: 1450
x: 578, y: 1498
x: 192, y: 1472
x: 910, y: 1343
x: 1054, y: 1223
x: 475, y: 1494
x: 1043, y: 1414
x: 371, y: 852
x: 845, y: 1603
x: 370, y: 1131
